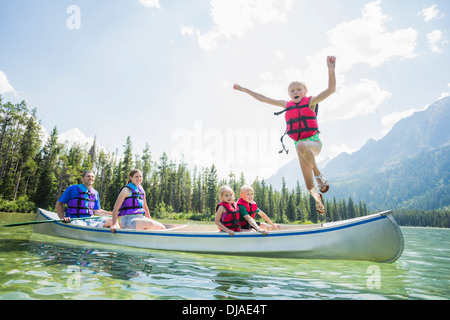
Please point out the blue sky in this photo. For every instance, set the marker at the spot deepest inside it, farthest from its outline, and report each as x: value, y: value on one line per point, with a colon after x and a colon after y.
x: 162, y: 71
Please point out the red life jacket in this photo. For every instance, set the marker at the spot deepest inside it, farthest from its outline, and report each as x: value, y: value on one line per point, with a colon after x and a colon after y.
x: 301, y: 121
x: 230, y: 218
x: 251, y: 209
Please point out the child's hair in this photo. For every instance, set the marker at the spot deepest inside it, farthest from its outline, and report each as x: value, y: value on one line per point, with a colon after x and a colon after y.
x: 223, y: 190
x: 132, y: 173
x: 245, y: 187
x: 297, y: 82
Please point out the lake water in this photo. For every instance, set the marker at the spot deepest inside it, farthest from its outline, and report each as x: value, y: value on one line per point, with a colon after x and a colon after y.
x: 41, y: 267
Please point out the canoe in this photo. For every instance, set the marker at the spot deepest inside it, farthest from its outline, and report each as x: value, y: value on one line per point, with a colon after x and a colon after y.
x: 375, y: 237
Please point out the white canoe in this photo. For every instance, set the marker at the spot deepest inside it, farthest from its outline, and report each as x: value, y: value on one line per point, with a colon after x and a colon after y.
x: 376, y: 237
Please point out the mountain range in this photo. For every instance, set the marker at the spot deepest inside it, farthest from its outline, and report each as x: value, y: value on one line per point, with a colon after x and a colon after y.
x: 408, y: 168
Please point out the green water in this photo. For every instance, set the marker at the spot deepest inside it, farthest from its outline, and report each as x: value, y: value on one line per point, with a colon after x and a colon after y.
x: 41, y: 267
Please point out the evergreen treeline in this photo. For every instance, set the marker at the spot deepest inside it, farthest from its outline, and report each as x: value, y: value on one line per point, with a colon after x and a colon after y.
x: 35, y: 175
x: 422, y: 182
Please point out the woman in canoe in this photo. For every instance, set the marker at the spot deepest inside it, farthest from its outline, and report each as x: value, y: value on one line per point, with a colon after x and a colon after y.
x: 132, y: 207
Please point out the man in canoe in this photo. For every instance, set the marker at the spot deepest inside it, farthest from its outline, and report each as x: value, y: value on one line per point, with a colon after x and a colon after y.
x: 82, y: 202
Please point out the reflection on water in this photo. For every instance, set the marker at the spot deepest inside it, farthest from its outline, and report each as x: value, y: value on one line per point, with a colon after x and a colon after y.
x: 41, y: 267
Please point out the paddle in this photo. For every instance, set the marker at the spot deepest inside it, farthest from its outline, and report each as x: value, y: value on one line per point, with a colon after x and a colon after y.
x: 45, y: 221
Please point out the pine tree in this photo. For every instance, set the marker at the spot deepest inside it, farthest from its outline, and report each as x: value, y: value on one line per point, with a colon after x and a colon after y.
x: 351, y: 209
x: 291, y: 208
x: 312, y: 210
x: 46, y: 189
x: 127, y: 164
x: 212, y: 190
x: 28, y: 146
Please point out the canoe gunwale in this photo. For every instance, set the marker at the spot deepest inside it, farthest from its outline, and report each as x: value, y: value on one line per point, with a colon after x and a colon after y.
x: 215, y: 234
x: 321, y: 241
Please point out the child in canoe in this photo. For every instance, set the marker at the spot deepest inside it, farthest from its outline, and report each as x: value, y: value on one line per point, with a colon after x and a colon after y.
x: 248, y: 210
x: 227, y: 213
x: 302, y: 127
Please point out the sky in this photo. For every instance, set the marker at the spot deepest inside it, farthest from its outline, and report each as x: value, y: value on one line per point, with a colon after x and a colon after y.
x: 162, y: 72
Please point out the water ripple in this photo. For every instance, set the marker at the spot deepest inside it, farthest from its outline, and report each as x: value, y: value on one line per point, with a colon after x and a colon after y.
x: 53, y: 268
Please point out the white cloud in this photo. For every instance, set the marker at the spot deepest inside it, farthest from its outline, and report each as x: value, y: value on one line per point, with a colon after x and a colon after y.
x: 354, y: 100
x: 237, y: 17
x: 366, y: 40
x: 150, y: 3
x: 5, y: 86
x: 435, y: 39
x: 209, y: 40
x: 69, y: 138
x: 445, y: 94
x: 279, y: 54
x: 73, y: 136
x: 187, y: 30
x: 431, y: 13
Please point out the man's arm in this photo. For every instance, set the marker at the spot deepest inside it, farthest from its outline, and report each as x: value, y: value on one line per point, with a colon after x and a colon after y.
x: 59, y: 209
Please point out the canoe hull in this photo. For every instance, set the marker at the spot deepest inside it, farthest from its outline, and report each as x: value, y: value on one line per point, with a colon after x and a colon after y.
x: 375, y: 238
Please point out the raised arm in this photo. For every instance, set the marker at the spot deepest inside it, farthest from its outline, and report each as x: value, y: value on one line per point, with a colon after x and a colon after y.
x: 331, y: 63
x: 260, y: 97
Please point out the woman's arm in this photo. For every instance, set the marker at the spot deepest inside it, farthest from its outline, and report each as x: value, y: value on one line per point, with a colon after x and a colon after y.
x: 122, y: 195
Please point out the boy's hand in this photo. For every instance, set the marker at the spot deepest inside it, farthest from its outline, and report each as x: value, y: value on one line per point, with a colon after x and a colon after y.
x: 331, y: 62
x: 237, y: 87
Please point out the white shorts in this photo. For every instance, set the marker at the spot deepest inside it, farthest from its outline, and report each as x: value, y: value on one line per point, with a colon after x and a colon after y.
x: 98, y: 223
x: 129, y: 221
